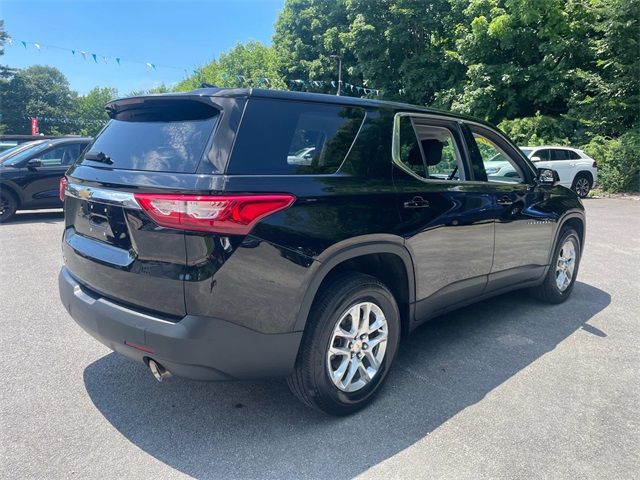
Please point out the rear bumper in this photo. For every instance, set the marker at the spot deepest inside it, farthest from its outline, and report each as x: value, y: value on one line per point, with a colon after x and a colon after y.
x: 200, y: 348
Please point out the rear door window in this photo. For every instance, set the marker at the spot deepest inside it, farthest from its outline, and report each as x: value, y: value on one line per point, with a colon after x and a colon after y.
x: 166, y: 139
x: 558, y: 154
x: 61, y: 156
x: 279, y: 137
x: 428, y: 150
x: 543, y: 155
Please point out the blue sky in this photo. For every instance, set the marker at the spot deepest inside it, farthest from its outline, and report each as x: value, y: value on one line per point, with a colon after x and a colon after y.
x: 181, y: 34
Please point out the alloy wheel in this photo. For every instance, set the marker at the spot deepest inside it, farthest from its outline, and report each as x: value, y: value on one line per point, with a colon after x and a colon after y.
x: 582, y: 186
x: 566, y: 264
x: 357, y: 347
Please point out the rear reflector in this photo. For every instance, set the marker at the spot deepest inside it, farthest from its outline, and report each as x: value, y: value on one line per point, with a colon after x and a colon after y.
x: 137, y: 346
x: 234, y: 215
x: 62, y: 188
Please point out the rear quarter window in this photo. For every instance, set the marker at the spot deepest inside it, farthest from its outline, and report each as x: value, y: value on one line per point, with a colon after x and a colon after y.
x: 278, y: 137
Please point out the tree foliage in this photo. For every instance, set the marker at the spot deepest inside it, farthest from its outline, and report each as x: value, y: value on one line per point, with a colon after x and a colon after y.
x: 4, y: 38
x: 42, y: 92
x: 90, y: 114
x: 246, y: 64
x: 547, y: 71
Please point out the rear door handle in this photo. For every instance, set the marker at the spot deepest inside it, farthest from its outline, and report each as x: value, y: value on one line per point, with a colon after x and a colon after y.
x: 417, y: 202
x: 504, y: 201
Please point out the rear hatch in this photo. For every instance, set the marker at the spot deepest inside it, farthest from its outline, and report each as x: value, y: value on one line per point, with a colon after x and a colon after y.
x: 155, y: 146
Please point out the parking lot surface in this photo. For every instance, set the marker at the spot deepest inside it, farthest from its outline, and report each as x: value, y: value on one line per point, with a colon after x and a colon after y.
x: 507, y: 388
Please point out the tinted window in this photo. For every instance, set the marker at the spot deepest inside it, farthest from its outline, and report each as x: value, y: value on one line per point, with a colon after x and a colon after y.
x: 572, y: 155
x: 62, y: 155
x: 543, y: 155
x: 370, y: 155
x: 410, y: 152
x: 163, y: 146
x: 557, y: 154
x: 24, y: 154
x: 281, y: 137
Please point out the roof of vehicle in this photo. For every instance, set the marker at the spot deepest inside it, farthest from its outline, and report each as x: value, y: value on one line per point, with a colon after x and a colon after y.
x: 299, y: 96
x: 56, y: 141
x: 25, y: 138
x: 21, y: 147
x: 538, y: 147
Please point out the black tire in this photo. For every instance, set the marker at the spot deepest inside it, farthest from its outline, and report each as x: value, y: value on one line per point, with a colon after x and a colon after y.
x: 582, y: 184
x: 549, y: 291
x: 310, y: 380
x: 8, y: 205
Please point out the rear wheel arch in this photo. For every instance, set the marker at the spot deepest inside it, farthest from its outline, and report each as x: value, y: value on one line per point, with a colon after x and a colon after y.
x: 388, y: 262
x: 584, y: 173
x: 12, y: 191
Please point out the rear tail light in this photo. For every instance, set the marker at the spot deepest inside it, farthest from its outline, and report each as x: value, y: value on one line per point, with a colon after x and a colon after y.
x: 595, y: 164
x: 62, y: 188
x: 234, y: 215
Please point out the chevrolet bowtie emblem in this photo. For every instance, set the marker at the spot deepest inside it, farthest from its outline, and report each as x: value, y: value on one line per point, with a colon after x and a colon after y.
x: 84, y: 193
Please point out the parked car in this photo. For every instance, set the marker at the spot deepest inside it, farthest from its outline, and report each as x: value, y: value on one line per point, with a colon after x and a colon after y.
x: 193, y: 245
x: 30, y: 174
x: 576, y: 169
x: 5, y: 154
x: 304, y: 156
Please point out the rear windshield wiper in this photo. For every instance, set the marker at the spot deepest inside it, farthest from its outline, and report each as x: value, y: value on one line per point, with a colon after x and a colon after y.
x: 98, y: 157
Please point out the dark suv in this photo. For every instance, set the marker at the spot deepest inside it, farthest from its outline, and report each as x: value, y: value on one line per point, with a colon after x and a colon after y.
x: 199, y: 241
x: 30, y: 173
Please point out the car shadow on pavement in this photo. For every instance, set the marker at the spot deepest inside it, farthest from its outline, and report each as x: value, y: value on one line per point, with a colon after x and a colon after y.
x: 31, y: 216
x: 258, y: 429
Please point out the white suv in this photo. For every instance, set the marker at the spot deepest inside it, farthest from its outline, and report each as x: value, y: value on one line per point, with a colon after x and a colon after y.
x: 576, y: 169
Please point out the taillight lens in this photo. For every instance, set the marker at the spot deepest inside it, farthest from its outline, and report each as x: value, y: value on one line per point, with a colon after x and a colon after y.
x: 62, y: 188
x: 234, y: 215
x: 595, y: 164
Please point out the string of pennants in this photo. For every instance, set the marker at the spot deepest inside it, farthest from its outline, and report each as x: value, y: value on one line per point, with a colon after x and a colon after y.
x: 97, y: 58
x: 298, y: 83
x: 321, y: 84
x: 68, y: 121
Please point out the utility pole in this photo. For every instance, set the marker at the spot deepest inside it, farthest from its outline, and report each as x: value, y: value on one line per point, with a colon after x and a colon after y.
x: 339, y: 57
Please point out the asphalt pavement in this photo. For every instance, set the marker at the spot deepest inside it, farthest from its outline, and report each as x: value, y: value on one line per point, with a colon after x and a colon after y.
x: 507, y: 388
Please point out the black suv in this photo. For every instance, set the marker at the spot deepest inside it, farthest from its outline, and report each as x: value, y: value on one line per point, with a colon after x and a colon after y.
x: 30, y: 173
x: 200, y: 241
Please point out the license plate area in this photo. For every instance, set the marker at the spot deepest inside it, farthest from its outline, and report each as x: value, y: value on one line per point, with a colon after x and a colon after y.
x: 102, y: 222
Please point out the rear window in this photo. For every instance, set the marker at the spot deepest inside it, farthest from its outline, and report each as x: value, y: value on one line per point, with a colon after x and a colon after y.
x: 164, y: 141
x: 279, y: 137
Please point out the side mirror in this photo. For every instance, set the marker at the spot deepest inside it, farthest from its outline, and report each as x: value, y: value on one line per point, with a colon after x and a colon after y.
x: 535, y: 159
x: 547, y: 176
x: 34, y: 163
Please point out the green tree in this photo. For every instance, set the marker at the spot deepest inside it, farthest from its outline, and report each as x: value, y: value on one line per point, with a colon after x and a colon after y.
x: 5, y: 71
x: 91, y: 115
x: 610, y: 101
x: 38, y: 91
x: 405, y: 48
x: 250, y: 64
x: 402, y: 47
x: 521, y: 56
x: 309, y: 35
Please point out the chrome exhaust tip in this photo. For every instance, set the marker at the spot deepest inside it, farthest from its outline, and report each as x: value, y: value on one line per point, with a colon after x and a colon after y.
x: 158, y: 371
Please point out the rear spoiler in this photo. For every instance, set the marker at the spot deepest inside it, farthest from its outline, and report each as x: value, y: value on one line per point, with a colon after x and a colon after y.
x: 163, y: 107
